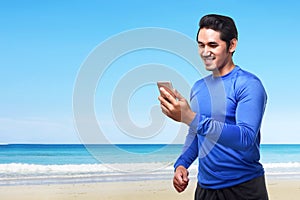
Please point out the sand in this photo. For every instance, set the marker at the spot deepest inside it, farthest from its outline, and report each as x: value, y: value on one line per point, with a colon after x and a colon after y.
x: 146, y: 190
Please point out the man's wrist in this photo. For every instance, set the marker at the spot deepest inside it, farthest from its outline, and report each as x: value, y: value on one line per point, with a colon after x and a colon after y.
x: 179, y: 167
x: 189, y: 118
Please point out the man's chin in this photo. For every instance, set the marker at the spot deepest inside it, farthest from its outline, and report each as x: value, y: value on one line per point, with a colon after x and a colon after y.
x: 210, y: 67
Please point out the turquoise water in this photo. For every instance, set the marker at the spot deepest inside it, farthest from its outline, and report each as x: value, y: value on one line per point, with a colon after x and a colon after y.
x: 280, y: 153
x: 89, y: 154
x: 44, y: 164
x: 127, y: 153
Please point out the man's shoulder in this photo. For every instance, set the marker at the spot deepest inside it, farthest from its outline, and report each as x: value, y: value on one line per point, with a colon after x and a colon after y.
x: 247, y: 81
x: 243, y: 76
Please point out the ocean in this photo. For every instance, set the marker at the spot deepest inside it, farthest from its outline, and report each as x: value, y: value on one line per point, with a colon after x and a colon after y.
x: 47, y: 164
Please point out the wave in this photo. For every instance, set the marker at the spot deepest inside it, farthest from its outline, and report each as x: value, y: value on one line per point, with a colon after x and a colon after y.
x: 282, y: 165
x: 22, y: 173
x: 23, y: 168
x: 283, y: 170
x: 26, y: 169
x: 14, y: 169
x: 28, y: 174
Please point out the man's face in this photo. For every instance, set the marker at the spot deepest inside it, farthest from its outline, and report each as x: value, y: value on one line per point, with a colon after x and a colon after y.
x: 213, y: 51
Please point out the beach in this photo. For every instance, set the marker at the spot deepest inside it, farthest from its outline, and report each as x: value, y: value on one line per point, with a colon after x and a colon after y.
x: 56, y: 172
x: 279, y: 189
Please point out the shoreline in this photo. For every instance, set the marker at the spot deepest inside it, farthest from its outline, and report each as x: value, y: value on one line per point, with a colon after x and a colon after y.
x: 129, y: 178
x: 278, y: 189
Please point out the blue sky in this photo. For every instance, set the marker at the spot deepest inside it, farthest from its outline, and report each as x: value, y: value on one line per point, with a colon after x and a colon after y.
x: 44, y: 44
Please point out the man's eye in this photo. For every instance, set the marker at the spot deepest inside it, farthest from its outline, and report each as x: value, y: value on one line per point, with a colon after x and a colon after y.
x: 201, y: 45
x: 213, y: 45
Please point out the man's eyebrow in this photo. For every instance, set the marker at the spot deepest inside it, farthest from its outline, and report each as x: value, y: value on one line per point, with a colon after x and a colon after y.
x: 212, y: 43
x: 209, y: 43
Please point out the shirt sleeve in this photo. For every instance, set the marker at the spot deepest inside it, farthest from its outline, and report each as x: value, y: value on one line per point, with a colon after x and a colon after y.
x: 251, y: 101
x: 190, y: 148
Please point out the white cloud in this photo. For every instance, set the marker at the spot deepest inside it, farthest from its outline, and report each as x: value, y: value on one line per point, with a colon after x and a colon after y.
x: 37, y: 130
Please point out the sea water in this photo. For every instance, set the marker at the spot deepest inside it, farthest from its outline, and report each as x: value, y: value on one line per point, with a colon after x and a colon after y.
x: 46, y: 164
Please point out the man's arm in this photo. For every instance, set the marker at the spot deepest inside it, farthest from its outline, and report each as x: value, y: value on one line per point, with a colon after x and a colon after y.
x: 188, y: 156
x: 240, y: 136
x: 249, y: 113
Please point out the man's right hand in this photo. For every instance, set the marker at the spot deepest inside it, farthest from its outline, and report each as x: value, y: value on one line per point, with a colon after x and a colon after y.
x: 180, y: 180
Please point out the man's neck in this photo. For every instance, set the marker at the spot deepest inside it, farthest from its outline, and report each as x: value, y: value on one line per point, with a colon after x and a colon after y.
x: 224, y: 70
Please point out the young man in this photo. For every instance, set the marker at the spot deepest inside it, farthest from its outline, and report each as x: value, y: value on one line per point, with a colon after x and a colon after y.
x: 224, y: 120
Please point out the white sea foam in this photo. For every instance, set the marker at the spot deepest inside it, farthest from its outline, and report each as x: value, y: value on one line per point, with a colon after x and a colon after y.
x: 34, y: 169
x: 22, y: 169
x: 14, y: 169
x: 283, y: 170
x: 21, y: 173
x: 282, y: 165
x: 18, y: 173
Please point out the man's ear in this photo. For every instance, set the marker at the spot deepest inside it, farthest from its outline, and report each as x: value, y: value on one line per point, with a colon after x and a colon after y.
x: 233, y: 45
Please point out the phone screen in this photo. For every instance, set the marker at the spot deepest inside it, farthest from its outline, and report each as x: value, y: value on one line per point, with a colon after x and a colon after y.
x: 167, y: 85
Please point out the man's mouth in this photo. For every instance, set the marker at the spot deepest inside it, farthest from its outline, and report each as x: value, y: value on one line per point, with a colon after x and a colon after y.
x: 208, y: 60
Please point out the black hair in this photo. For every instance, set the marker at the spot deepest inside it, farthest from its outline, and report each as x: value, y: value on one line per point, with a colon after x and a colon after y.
x: 223, y: 24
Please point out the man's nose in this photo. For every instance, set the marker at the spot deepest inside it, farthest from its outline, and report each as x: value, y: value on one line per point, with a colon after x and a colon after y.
x: 206, y: 51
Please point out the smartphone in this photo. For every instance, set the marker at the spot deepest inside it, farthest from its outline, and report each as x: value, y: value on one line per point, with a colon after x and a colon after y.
x: 167, y: 85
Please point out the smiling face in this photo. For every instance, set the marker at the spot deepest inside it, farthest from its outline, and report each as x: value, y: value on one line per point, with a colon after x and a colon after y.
x: 216, y: 56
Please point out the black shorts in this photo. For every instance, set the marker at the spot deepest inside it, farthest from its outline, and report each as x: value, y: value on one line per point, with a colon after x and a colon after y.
x: 254, y: 189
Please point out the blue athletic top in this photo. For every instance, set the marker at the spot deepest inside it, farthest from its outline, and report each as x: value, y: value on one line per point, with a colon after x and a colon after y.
x: 225, y: 133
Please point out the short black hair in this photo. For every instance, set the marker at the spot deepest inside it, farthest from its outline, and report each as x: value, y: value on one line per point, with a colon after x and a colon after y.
x: 223, y: 24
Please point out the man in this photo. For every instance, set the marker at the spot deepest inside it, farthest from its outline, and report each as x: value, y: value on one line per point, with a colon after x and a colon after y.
x: 224, y: 120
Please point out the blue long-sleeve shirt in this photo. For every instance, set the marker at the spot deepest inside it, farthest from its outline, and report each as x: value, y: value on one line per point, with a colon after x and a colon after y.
x: 225, y: 133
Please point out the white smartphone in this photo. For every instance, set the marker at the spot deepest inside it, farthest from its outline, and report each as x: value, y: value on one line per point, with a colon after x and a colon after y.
x: 167, y: 85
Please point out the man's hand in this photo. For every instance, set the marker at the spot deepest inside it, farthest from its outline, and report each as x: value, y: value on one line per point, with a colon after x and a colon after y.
x: 177, y: 109
x: 180, y: 180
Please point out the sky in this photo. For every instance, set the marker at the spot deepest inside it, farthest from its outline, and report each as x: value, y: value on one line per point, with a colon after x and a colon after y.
x: 45, y: 47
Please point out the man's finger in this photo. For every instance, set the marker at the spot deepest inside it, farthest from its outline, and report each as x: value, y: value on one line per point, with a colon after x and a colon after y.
x: 179, y: 187
x: 185, y: 175
x: 178, y: 179
x: 167, y: 95
x: 178, y: 95
x: 165, y: 105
